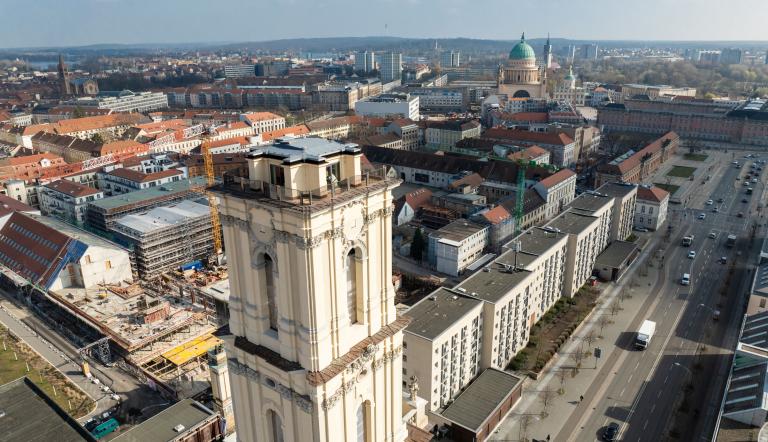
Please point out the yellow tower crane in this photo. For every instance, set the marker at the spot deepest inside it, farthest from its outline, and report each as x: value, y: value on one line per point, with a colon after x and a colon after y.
x: 210, y: 180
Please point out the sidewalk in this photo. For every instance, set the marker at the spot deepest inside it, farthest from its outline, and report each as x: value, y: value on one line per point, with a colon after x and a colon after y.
x: 69, y: 368
x: 561, y: 407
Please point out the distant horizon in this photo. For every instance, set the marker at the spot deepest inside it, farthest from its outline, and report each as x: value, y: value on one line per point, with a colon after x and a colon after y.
x: 76, y: 23
x: 215, y: 43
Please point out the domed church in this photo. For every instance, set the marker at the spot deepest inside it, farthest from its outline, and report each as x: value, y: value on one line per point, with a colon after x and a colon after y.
x: 521, y: 77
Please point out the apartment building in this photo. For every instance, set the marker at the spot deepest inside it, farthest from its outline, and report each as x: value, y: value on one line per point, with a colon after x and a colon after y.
x: 506, y: 292
x: 365, y: 61
x: 457, y: 245
x: 623, y: 211
x: 123, y: 101
x: 651, y: 207
x: 407, y: 130
x: 443, y: 354
x: 390, y: 66
x: 122, y: 180
x: 445, y: 134
x: 389, y: 105
x: 263, y: 121
x: 598, y: 206
x: 239, y: 70
x: 67, y: 200
x: 583, y: 247
x: 560, y: 145
x: 558, y: 190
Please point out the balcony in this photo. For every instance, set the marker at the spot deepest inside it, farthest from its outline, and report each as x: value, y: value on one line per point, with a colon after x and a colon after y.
x: 306, y: 200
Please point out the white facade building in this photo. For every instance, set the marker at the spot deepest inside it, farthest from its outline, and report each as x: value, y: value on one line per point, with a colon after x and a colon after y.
x: 239, y: 70
x: 651, y: 208
x: 67, y: 200
x: 365, y: 61
x: 458, y: 245
x: 558, y: 190
x: 126, y: 101
x: 389, y: 105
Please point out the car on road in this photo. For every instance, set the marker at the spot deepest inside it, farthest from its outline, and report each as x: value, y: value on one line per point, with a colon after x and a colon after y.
x: 710, y: 202
x: 115, y: 397
x: 746, y: 183
x: 713, y: 235
x: 686, y: 279
x: 744, y: 200
x: 740, y: 215
x: 610, y: 432
x: 640, y: 229
x: 692, y: 254
x: 723, y: 259
x: 720, y: 200
x: 96, y: 381
x: 702, y: 215
x: 754, y: 180
x: 716, y: 315
x: 715, y: 210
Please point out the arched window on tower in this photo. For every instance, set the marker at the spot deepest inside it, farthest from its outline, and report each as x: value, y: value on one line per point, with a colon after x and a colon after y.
x: 363, y: 422
x: 275, y: 427
x: 352, y: 286
x: 269, y: 279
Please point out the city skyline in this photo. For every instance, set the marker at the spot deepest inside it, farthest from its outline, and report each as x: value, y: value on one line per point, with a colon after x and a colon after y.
x: 115, y: 21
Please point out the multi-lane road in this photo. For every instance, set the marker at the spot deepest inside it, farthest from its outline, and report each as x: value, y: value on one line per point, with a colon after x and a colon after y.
x: 642, y: 390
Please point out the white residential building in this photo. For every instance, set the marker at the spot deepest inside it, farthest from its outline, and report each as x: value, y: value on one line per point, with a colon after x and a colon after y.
x: 262, y: 122
x: 125, y: 101
x: 67, y: 200
x: 365, y: 61
x: 239, y: 70
x: 389, y: 106
x: 444, y: 354
x: 651, y: 209
x: 583, y: 247
x: 558, y: 190
x: 122, y: 180
x: 457, y: 245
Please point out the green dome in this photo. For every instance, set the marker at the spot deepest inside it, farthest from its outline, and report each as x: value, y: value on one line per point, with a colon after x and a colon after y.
x: 522, y: 51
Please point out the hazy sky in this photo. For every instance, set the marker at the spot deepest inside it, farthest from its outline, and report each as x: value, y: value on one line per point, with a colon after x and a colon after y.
x: 79, y: 22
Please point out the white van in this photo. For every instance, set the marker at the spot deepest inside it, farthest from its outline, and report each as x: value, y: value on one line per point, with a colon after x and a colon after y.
x: 686, y: 280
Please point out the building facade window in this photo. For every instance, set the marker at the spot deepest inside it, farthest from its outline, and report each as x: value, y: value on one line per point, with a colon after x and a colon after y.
x: 275, y: 427
x: 352, y: 286
x: 269, y: 279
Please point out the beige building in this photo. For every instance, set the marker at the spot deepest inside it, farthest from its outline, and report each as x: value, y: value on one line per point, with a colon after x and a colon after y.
x: 623, y: 211
x: 316, y: 353
x: 599, y: 206
x: 522, y: 77
x: 583, y: 247
x: 558, y: 190
x: 445, y: 134
x: 443, y: 354
x: 651, y: 207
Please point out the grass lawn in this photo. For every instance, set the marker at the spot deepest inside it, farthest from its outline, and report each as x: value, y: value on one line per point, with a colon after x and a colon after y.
x: 554, y: 329
x: 696, y: 156
x: 41, y: 373
x: 681, y: 171
x: 671, y: 188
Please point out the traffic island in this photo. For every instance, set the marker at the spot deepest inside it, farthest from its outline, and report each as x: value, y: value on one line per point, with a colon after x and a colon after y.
x: 18, y: 360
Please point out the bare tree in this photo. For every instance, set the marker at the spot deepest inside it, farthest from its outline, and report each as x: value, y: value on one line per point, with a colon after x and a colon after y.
x: 525, y: 423
x: 590, y: 338
x: 546, y: 397
x: 577, y: 357
x: 562, y: 374
x: 615, y: 307
x: 602, y: 322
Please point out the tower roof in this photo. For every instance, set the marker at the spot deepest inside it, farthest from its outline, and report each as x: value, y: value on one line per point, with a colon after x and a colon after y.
x: 522, y: 51
x: 570, y: 76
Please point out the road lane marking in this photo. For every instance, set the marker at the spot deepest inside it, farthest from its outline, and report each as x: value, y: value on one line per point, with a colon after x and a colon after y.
x: 666, y: 379
x: 653, y: 408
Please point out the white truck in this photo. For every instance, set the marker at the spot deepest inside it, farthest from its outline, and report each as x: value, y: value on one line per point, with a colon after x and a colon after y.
x: 645, y: 334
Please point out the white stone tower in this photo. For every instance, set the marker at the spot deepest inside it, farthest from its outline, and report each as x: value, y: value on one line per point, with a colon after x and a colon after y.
x: 316, y: 351
x: 222, y: 393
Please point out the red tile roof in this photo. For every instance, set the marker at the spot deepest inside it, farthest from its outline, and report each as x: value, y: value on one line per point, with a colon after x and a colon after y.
x: 298, y: 130
x: 560, y: 139
x: 496, y: 215
x: 9, y: 205
x: 43, y: 245
x: 557, y: 178
x: 71, y: 188
x: 634, y: 160
x: 528, y: 154
x: 655, y: 193
x: 418, y: 198
x: 261, y: 116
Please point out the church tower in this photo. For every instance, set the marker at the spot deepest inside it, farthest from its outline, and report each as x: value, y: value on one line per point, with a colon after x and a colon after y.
x: 547, y: 54
x: 521, y: 76
x: 65, y: 89
x: 316, y: 348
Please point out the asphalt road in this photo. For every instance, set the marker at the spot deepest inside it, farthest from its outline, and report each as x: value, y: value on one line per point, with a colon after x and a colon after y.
x: 641, y: 390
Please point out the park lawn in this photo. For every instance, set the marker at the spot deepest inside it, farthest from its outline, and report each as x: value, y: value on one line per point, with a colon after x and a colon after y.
x: 681, y: 171
x: 671, y: 188
x: 696, y: 156
x: 41, y: 373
